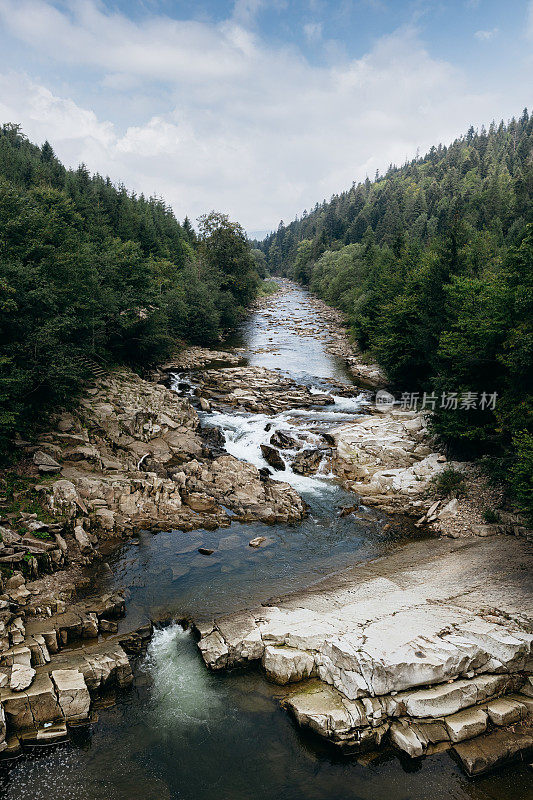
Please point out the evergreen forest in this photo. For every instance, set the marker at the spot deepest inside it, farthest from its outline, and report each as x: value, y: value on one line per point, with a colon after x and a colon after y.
x: 91, y: 274
x: 432, y: 264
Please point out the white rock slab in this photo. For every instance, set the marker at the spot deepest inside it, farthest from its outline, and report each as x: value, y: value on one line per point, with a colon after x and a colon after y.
x: 21, y: 677
x: 72, y: 693
x: 466, y: 724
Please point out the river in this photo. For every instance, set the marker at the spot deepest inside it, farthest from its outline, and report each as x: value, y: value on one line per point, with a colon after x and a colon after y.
x: 183, y: 732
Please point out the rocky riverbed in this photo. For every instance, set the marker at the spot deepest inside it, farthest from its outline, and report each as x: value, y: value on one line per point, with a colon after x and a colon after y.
x: 248, y: 437
x: 132, y: 456
x: 359, y: 654
x: 429, y: 648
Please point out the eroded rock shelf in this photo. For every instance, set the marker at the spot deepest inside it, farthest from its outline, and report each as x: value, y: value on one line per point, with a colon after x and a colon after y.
x: 429, y: 647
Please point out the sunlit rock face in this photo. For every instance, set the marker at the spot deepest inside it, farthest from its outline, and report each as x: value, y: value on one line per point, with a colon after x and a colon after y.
x: 404, y: 646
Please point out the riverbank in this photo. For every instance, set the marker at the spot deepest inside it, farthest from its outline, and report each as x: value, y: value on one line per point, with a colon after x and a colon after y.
x: 422, y: 639
x: 388, y: 457
x: 416, y: 648
x: 132, y: 456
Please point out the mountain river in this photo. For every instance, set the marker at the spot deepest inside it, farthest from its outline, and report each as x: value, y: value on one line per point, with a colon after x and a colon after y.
x: 184, y: 732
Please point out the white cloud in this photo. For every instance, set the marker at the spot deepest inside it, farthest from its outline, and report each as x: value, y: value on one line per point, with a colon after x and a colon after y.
x: 252, y: 130
x: 160, y: 48
x: 46, y: 116
x: 486, y: 36
x: 313, y: 31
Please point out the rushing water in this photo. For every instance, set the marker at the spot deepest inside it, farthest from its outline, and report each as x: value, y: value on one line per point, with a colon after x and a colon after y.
x: 183, y: 732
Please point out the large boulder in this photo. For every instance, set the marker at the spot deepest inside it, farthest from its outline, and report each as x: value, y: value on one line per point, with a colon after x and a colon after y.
x: 287, y: 664
x: 33, y: 706
x: 64, y: 499
x: 308, y: 461
x: 72, y: 693
x: 82, y: 538
x: 466, y: 724
x: 272, y: 457
x: 21, y: 677
x: 283, y: 440
x: 484, y: 753
x: 45, y: 462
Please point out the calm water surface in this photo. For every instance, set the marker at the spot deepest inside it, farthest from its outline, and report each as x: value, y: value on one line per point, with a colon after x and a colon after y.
x: 183, y: 732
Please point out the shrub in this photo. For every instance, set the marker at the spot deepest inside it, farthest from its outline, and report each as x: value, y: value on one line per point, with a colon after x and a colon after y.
x: 449, y: 483
x: 522, y: 472
x: 491, y: 516
x: 41, y: 534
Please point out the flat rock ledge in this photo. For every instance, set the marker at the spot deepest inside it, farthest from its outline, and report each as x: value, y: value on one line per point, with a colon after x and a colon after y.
x: 429, y: 648
x: 56, y: 666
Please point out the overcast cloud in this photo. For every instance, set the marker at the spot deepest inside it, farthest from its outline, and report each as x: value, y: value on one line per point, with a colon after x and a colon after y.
x: 215, y: 114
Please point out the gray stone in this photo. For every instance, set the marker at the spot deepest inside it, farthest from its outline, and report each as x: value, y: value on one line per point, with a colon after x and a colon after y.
x: 272, y: 457
x: 82, y: 537
x: 42, y: 459
x: 21, y: 677
x: 407, y: 738
x: 35, y: 705
x: 466, y: 724
x: 52, y: 732
x: 482, y: 754
x: 72, y: 693
x: 287, y: 664
x: 504, y: 711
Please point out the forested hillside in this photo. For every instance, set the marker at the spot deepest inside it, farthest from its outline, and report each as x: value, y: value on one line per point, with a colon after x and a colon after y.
x: 433, y: 266
x: 91, y: 273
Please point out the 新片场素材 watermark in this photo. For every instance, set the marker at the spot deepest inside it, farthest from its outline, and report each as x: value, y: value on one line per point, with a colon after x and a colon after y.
x: 450, y: 401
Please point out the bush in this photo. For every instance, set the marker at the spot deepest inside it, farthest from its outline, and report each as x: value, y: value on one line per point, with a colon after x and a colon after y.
x: 449, y: 483
x: 522, y: 472
x: 491, y: 516
x: 267, y: 288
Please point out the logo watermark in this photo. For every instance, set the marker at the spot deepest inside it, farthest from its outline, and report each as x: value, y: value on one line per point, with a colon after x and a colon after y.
x: 429, y: 401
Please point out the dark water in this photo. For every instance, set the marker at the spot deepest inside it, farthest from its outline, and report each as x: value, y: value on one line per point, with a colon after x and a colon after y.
x: 184, y: 732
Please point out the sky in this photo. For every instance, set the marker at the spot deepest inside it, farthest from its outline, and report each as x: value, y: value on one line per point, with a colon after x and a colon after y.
x: 258, y: 108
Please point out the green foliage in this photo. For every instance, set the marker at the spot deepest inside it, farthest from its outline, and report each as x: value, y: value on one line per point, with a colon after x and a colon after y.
x: 522, y: 471
x: 266, y: 288
x: 490, y: 516
x: 19, y: 496
x: 449, y: 483
x: 226, y: 251
x: 90, y: 274
x: 42, y: 535
x: 260, y: 263
x: 433, y: 267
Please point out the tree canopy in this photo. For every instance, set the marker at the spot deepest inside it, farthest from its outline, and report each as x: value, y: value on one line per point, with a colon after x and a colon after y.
x: 91, y: 273
x: 433, y: 266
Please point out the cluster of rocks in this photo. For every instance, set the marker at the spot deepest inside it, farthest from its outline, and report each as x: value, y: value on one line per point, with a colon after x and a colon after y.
x: 387, y: 459
x: 307, y: 452
x: 425, y: 649
x: 241, y: 487
x: 256, y: 389
x: 198, y: 357
x: 39, y: 547
x: 46, y: 685
x: 133, y: 455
